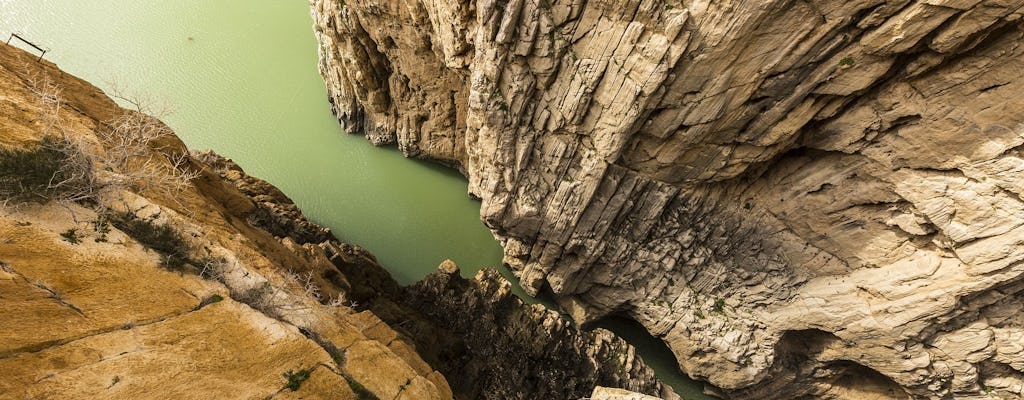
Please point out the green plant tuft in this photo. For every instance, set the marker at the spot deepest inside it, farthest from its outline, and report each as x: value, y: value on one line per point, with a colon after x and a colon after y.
x: 165, y: 240
x: 295, y: 378
x: 101, y: 226
x: 719, y: 306
x: 71, y: 236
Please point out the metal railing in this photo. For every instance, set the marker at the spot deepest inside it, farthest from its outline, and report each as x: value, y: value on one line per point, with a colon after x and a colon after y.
x: 42, y: 50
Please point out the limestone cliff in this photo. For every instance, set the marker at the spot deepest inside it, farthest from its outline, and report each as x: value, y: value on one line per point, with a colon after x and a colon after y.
x: 128, y: 269
x: 800, y: 197
x: 133, y: 268
x: 485, y: 340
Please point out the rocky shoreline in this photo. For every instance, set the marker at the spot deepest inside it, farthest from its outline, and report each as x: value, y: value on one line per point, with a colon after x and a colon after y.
x: 159, y: 272
x: 485, y: 340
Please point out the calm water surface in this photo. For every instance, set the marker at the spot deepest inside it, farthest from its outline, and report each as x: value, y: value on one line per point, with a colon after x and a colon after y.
x: 239, y: 77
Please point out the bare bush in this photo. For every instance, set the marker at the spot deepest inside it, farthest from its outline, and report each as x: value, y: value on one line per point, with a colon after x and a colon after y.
x: 271, y: 301
x: 76, y: 180
x: 60, y: 168
x: 132, y: 140
x: 133, y: 155
x: 305, y: 284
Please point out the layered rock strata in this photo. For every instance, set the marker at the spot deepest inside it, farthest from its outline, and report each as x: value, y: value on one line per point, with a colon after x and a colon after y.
x: 485, y: 340
x: 123, y: 289
x: 263, y: 303
x: 799, y: 197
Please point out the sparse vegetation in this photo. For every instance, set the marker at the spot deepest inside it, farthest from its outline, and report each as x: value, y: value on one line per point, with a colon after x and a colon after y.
x: 266, y: 299
x: 212, y: 268
x: 209, y: 300
x: 719, y: 306
x: 102, y: 227
x: 64, y: 167
x: 306, y: 284
x: 337, y: 355
x: 164, y: 239
x: 71, y: 236
x: 846, y: 62
x: 295, y: 378
x: 56, y: 169
x: 361, y: 392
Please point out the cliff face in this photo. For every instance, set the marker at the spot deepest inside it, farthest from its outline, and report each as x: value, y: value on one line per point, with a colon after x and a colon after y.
x: 131, y: 267
x: 128, y: 269
x: 485, y: 340
x: 507, y: 350
x: 800, y: 197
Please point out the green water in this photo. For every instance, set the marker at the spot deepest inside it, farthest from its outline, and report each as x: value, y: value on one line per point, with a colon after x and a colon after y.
x: 656, y: 355
x: 239, y: 77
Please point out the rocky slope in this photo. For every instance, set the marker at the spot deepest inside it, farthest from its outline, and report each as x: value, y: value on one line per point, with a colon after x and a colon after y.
x: 800, y: 197
x: 142, y: 278
x: 485, y: 340
x: 130, y: 267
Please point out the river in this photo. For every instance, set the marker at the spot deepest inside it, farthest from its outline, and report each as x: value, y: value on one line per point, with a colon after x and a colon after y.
x: 240, y: 77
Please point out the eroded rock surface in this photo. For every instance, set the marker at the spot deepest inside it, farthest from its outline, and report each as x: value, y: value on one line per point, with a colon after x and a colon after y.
x: 800, y: 197
x: 509, y: 351
x: 134, y: 292
x: 486, y: 341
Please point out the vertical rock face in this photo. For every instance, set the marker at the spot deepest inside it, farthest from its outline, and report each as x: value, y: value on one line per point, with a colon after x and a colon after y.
x: 487, y: 343
x: 800, y: 197
x: 518, y: 351
x: 163, y: 288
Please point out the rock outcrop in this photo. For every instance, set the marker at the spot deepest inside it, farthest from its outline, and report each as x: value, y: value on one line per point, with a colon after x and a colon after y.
x: 508, y: 348
x: 120, y: 289
x: 218, y: 286
x: 603, y: 393
x: 799, y: 197
x: 484, y: 339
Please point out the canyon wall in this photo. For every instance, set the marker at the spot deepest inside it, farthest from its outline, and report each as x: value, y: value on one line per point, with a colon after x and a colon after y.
x: 128, y: 269
x: 801, y: 198
x: 131, y: 267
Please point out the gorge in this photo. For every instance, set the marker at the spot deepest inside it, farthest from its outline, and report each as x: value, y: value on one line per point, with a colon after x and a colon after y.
x: 131, y: 267
x: 801, y: 198
x: 798, y: 198
x: 211, y: 75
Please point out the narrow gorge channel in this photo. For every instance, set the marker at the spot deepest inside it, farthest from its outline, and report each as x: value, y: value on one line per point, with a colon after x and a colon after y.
x: 240, y: 78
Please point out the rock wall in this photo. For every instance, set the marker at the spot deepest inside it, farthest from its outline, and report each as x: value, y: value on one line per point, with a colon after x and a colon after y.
x: 263, y: 303
x: 509, y: 350
x: 137, y: 292
x: 485, y: 340
x: 799, y: 197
